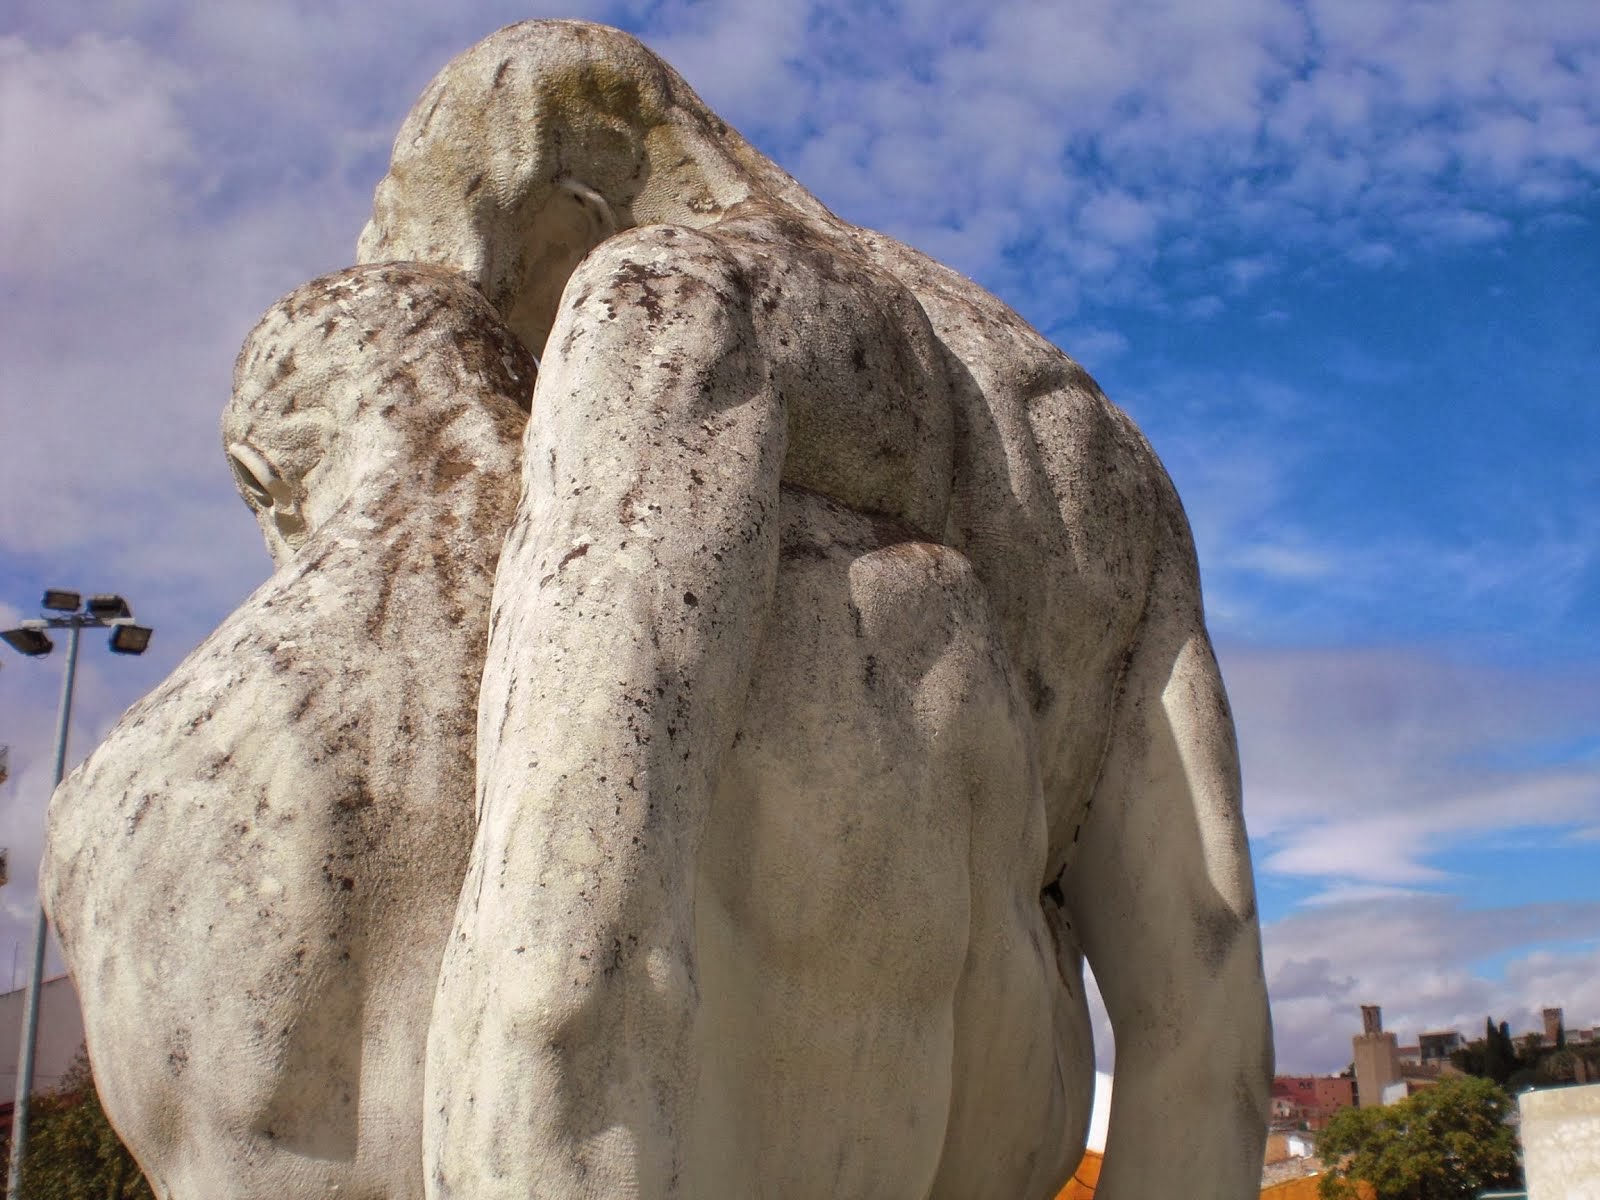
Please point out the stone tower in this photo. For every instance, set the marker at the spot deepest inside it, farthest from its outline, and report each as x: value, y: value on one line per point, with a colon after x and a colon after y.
x: 1553, y: 1026
x: 1377, y: 1056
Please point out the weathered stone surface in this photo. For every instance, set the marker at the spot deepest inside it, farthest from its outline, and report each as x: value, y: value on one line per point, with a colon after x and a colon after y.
x: 732, y: 338
x: 846, y: 683
x: 253, y: 877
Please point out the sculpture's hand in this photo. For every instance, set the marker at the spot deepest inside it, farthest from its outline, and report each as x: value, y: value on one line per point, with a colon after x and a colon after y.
x: 1160, y: 892
x: 629, y: 598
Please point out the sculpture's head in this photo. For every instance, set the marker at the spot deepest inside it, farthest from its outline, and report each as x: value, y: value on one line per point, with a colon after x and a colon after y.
x: 396, y: 368
x: 540, y: 142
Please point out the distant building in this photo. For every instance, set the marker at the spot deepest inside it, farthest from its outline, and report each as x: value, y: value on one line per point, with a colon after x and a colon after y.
x: 1553, y: 1032
x: 1437, y: 1047
x: 1415, y: 1079
x: 1377, y: 1056
x: 1283, y: 1146
x: 1310, y: 1101
x: 1394, y: 1092
x: 1553, y: 1026
x: 1386, y: 1071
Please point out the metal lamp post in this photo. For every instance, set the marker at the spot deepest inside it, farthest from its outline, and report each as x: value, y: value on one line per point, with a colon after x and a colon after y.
x: 63, y: 610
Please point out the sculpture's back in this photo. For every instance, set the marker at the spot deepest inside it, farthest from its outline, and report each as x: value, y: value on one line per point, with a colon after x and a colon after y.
x: 253, y: 876
x: 1048, y: 490
x: 549, y: 137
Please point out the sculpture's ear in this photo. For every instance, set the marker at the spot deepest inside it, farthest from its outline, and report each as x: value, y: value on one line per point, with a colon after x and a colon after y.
x: 268, y: 493
x: 595, y: 209
x: 574, y: 220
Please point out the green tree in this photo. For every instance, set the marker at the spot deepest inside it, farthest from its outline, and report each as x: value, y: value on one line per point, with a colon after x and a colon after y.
x: 1494, y: 1056
x: 1502, y: 1056
x: 73, y: 1153
x: 1448, y: 1142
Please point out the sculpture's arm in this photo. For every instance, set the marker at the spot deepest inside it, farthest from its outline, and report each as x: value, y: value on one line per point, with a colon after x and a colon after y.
x: 629, y: 599
x: 1161, y: 896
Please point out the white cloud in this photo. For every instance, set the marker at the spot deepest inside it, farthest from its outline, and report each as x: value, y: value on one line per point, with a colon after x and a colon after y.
x: 1301, y: 525
x: 1458, y: 224
x: 1357, y: 893
x: 1430, y: 962
x: 1367, y: 768
x: 1245, y: 271
x: 741, y: 57
x: 1372, y: 254
x: 1094, y: 346
x: 92, y: 147
x: 1118, y: 218
x: 1280, y: 560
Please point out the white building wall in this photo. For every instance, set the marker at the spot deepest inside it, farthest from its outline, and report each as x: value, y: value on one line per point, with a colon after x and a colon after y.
x: 60, y: 1035
x: 1561, y: 1142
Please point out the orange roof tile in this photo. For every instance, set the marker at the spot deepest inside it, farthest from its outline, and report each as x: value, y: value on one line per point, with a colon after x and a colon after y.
x: 1082, y: 1184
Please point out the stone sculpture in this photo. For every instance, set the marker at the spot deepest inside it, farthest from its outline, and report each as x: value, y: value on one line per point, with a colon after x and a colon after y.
x: 846, y: 682
x: 254, y: 875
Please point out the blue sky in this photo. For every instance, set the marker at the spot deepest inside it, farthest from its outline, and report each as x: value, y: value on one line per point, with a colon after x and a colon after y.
x: 1339, y: 258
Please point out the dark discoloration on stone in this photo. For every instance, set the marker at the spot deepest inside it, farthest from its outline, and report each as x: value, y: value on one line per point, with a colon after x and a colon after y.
x: 1218, y: 930
x: 449, y: 472
x: 137, y: 815
x: 1040, y: 694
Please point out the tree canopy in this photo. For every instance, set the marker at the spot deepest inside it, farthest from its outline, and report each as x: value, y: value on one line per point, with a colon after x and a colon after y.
x: 73, y: 1153
x: 1494, y: 1056
x: 1448, y: 1142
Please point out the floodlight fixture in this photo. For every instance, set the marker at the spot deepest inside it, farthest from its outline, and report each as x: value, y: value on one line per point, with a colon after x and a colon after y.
x: 28, y: 639
x: 128, y: 638
x: 63, y: 610
x: 108, y: 608
x: 59, y: 601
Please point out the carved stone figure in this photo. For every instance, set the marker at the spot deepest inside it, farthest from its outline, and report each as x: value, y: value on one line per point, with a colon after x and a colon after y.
x: 254, y: 875
x: 846, y: 682
x: 326, y: 895
x: 709, y: 333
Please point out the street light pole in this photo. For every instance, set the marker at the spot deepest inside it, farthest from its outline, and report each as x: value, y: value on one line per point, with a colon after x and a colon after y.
x: 100, y: 612
x: 30, y: 1006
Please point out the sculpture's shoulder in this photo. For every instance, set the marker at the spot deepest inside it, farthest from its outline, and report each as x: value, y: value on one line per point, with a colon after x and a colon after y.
x: 671, y: 273
x: 1037, y: 419
x: 1011, y: 361
x: 758, y: 246
x: 374, y: 324
x: 663, y: 243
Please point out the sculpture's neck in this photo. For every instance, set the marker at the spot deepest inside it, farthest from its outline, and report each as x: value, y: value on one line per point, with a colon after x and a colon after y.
x: 698, y: 172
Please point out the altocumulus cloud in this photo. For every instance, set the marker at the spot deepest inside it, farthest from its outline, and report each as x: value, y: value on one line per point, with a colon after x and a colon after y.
x: 174, y: 166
